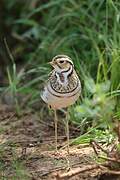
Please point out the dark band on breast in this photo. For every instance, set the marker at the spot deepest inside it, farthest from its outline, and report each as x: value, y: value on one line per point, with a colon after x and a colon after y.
x: 65, y: 92
x: 61, y: 96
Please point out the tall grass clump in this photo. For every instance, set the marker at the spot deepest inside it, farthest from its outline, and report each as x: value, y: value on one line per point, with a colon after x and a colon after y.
x: 101, y: 107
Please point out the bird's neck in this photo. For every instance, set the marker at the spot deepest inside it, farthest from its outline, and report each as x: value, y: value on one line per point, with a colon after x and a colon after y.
x: 62, y: 77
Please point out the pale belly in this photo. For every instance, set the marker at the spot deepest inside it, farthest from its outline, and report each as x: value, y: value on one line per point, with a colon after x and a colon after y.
x: 58, y: 102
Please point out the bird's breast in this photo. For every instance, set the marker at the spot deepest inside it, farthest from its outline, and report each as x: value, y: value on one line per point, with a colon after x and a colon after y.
x: 59, y: 95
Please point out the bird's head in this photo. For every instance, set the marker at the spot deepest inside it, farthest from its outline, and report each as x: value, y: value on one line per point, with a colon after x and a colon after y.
x: 61, y: 63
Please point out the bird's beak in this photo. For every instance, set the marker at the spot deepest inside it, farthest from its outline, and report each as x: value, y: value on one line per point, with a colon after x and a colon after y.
x: 51, y: 63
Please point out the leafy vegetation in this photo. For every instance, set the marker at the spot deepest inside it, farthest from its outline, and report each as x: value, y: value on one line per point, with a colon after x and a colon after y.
x: 32, y: 32
x: 88, y: 31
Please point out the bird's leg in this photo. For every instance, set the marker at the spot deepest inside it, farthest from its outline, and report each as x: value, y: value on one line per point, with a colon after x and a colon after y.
x: 55, y: 120
x: 67, y: 134
x: 67, y: 130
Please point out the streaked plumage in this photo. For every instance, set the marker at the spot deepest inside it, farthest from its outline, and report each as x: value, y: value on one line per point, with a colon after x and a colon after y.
x: 62, y: 88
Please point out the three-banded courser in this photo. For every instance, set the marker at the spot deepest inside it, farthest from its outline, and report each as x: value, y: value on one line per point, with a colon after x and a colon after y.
x: 62, y: 88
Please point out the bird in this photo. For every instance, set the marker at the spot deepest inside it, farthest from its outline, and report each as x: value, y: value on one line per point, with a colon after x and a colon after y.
x: 62, y: 89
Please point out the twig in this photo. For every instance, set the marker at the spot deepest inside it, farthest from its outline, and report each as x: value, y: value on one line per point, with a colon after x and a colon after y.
x: 58, y: 169
x: 94, y: 143
x: 113, y: 172
x: 77, y: 171
x: 114, y: 146
x: 109, y: 159
x: 94, y: 148
x: 52, y: 171
x: 107, y: 171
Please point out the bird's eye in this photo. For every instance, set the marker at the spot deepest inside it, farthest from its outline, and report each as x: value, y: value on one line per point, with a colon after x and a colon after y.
x: 61, y: 61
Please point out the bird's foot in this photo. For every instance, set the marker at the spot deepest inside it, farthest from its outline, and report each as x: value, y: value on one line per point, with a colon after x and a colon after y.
x: 68, y: 166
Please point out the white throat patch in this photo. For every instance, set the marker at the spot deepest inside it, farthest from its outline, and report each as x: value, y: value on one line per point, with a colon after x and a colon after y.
x: 62, y: 76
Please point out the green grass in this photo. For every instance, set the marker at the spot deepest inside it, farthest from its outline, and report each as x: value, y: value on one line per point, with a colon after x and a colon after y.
x: 11, y: 167
x: 88, y: 31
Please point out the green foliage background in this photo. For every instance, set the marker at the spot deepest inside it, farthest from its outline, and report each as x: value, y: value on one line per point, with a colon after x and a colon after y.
x: 85, y: 30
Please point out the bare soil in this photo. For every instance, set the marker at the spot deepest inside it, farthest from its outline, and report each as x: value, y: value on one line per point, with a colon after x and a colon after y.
x: 27, y: 150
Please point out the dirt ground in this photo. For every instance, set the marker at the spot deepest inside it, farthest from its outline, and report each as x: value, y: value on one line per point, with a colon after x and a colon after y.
x: 27, y: 150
